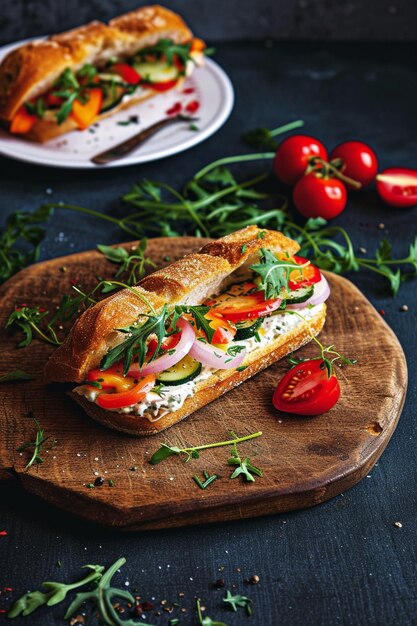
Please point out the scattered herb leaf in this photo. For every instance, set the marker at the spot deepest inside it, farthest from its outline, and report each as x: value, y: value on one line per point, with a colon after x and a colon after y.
x: 37, y: 446
x: 15, y: 375
x: 238, y: 601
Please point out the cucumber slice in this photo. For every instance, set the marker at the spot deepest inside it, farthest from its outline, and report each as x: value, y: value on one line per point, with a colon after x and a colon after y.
x: 113, y: 97
x: 156, y: 71
x: 249, y: 329
x: 182, y: 372
x: 299, y: 295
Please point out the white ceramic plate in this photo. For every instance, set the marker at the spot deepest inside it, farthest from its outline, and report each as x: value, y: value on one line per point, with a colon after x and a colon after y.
x: 209, y: 85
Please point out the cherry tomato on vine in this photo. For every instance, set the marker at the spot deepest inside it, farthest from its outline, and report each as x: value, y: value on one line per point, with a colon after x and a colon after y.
x: 317, y: 196
x: 397, y: 186
x: 359, y: 161
x: 293, y: 156
x: 307, y: 389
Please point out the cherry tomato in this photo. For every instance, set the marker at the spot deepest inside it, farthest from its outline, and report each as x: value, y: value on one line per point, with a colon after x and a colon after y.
x: 293, y: 156
x: 397, y: 186
x: 243, y: 308
x: 129, y: 397
x: 53, y: 101
x: 307, y: 389
x: 304, y: 277
x: 127, y: 72
x: 359, y: 161
x: 319, y: 197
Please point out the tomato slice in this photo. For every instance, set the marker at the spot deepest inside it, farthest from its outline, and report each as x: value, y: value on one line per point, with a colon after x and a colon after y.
x: 247, y: 307
x: 121, y: 399
x: 307, y: 389
x: 128, y: 73
x: 163, y: 86
x: 304, y: 277
x: 168, y: 344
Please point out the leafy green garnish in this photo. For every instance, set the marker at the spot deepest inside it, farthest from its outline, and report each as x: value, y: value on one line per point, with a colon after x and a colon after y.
x: 36, y: 108
x: 28, y: 320
x: 135, y: 344
x: 238, y: 601
x: 37, y: 446
x: 264, y: 138
x: 274, y: 273
x: 102, y: 596
x: 135, y: 263
x: 15, y: 375
x: 187, y: 454
x: 206, y: 620
x: 169, y: 50
x: 88, y: 70
x: 198, y: 313
x: 244, y: 466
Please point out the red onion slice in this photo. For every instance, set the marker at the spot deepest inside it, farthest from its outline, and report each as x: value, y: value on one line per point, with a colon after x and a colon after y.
x: 320, y: 295
x: 214, y: 357
x: 166, y: 361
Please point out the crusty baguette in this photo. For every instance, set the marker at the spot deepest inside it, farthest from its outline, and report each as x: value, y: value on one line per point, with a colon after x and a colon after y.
x: 30, y: 70
x: 210, y: 389
x: 189, y: 281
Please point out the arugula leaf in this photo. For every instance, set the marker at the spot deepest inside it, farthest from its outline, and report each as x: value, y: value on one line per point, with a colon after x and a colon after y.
x: 15, y: 375
x: 274, y: 273
x: 238, y: 601
x: 135, y: 344
x: 134, y: 263
x: 163, y: 453
x: 67, y: 80
x: 168, y: 49
x: 66, y: 108
x: 28, y: 320
x: 198, y: 312
x: 88, y: 70
x: 37, y: 446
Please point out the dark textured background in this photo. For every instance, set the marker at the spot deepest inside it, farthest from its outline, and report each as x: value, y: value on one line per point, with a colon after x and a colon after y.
x: 230, y: 19
x: 341, y: 563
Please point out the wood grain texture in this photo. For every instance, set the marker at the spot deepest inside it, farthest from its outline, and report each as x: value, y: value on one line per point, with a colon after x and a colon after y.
x: 305, y: 460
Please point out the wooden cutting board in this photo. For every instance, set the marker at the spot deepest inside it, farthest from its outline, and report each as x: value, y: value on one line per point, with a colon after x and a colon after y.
x: 305, y: 460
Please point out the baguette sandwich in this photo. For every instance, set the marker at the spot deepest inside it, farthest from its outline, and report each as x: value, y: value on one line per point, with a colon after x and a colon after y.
x: 147, y: 357
x: 52, y: 86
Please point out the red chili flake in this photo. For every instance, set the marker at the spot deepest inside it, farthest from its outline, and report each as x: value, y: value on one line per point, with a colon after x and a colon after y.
x: 42, y: 309
x: 176, y: 108
x: 8, y: 589
x: 3, y: 610
x: 381, y: 312
x: 3, y: 533
x: 188, y: 90
x: 193, y: 106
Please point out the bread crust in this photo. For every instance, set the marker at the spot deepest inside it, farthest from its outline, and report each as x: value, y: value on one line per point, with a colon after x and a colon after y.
x: 32, y: 69
x: 210, y: 389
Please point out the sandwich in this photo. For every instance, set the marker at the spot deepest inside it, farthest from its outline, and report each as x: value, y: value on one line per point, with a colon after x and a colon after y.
x: 52, y: 86
x: 148, y: 356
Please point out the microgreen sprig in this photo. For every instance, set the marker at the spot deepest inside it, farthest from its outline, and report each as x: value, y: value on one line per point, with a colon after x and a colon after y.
x: 135, y: 264
x: 37, y: 446
x: 235, y: 601
x: 244, y: 466
x: 206, y: 620
x: 192, y: 452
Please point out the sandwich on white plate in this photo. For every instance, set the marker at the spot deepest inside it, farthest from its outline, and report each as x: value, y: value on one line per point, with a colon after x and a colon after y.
x: 71, y: 80
x: 149, y: 356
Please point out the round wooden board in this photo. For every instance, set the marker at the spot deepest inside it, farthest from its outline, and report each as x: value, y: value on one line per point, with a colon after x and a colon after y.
x: 305, y: 460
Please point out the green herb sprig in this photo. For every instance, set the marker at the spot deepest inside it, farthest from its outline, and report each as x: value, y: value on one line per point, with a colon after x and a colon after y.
x: 193, y: 452
x: 37, y: 446
x: 264, y: 138
x: 101, y: 596
x: 274, y: 273
x: 15, y: 375
x: 169, y: 50
x: 206, y: 620
x: 134, y: 264
x: 244, y: 466
x: 235, y: 601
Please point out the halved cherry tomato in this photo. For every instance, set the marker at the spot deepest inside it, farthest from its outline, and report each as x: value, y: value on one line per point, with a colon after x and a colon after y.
x: 307, y: 389
x: 22, y: 122
x: 293, y: 157
x: 304, y: 277
x: 397, y: 186
x: 110, y: 380
x: 163, y: 86
x: 316, y: 196
x: 166, y: 345
x: 243, y: 308
x: 85, y: 114
x: 359, y: 161
x: 223, y: 331
x: 127, y: 398
x: 128, y: 73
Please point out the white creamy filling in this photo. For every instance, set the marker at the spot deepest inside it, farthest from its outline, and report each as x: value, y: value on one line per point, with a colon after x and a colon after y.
x: 172, y: 397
